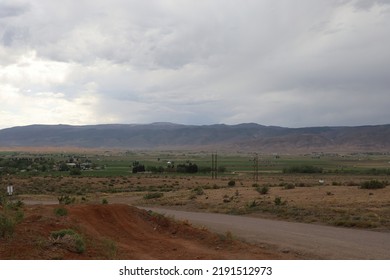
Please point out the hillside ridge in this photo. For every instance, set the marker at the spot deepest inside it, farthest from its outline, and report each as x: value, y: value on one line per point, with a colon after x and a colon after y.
x: 240, y: 137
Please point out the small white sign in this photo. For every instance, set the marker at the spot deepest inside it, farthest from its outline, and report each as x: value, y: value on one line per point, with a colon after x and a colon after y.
x: 10, y: 190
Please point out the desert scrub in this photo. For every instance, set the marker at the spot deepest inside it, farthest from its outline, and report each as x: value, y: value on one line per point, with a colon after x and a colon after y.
x: 227, y: 237
x: 153, y: 195
x: 110, y: 248
x: 60, y: 212
x: 289, y: 186
x: 373, y: 184
x: 278, y: 201
x: 198, y: 191
x: 7, y: 225
x: 231, y: 183
x: 262, y: 190
x: 68, y: 239
x: 252, y: 204
x: 11, y: 214
x: 66, y: 199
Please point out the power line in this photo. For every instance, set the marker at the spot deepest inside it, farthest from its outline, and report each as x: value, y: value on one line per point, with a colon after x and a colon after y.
x: 214, y: 166
x: 256, y: 168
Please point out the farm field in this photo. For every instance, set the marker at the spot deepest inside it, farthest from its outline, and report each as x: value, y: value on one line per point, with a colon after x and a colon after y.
x: 330, y: 194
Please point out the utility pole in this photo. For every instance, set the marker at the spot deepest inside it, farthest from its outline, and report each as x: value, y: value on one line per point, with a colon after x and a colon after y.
x: 214, y: 166
x: 256, y: 168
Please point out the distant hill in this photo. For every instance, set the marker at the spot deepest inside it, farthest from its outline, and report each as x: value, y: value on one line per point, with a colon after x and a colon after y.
x: 241, y: 137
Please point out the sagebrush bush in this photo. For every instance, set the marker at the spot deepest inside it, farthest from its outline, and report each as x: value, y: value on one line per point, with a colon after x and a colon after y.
x: 198, y: 191
x: 60, y: 212
x: 7, y: 225
x: 68, y: 239
x: 263, y: 190
x: 66, y: 199
x: 252, y: 204
x: 153, y: 195
x: 373, y: 184
x: 231, y: 183
x: 289, y: 187
x: 11, y: 213
x: 278, y: 201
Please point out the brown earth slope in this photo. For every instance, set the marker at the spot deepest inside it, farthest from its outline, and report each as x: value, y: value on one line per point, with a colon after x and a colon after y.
x: 121, y: 232
x: 167, y: 136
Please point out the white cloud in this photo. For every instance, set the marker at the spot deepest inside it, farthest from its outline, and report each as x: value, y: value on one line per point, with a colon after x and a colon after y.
x: 20, y: 108
x: 292, y: 63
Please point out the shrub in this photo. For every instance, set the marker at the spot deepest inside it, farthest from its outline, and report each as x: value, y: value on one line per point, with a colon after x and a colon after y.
x: 60, y: 212
x: 153, y: 195
x: 373, y: 184
x: 187, y: 168
x: 289, y: 187
x: 278, y: 201
x: 14, y: 205
x: 263, y: 190
x: 75, y: 171
x: 302, y: 169
x: 104, y: 201
x: 231, y: 183
x: 66, y: 199
x: 10, y: 215
x: 7, y: 225
x: 61, y: 233
x: 253, y: 204
x: 198, y: 191
x: 68, y: 239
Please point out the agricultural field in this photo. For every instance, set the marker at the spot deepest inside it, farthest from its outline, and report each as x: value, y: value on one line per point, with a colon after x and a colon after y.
x: 348, y: 190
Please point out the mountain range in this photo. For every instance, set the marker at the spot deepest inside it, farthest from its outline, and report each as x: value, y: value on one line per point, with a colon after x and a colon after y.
x: 241, y: 137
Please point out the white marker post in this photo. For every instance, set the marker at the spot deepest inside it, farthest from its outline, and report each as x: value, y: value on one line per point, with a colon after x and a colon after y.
x: 10, y: 190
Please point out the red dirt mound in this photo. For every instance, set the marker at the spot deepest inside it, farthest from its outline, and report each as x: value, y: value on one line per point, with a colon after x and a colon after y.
x: 119, y: 232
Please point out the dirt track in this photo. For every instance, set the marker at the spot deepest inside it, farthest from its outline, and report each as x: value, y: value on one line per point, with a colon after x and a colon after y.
x: 316, y: 241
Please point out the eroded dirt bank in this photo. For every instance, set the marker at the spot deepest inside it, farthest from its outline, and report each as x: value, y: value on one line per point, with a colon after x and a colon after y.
x: 117, y: 231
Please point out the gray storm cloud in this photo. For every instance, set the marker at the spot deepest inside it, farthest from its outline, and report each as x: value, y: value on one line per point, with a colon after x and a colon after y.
x: 288, y: 63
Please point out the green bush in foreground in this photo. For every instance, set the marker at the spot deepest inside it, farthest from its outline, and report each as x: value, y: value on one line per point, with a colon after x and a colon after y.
x: 60, y: 212
x: 7, y: 225
x: 11, y: 213
x: 68, y: 239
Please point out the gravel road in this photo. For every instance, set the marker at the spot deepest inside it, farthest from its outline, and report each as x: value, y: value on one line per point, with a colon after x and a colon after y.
x: 318, y: 241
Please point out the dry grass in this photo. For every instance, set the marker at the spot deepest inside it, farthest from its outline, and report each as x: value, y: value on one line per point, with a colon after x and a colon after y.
x: 326, y: 199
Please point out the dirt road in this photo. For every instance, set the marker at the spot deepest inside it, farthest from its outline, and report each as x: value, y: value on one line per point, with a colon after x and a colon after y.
x: 317, y: 241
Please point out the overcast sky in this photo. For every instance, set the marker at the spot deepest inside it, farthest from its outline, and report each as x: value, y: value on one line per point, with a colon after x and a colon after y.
x: 287, y: 63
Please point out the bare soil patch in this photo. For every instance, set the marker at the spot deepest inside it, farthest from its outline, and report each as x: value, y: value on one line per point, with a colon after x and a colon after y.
x: 118, y: 231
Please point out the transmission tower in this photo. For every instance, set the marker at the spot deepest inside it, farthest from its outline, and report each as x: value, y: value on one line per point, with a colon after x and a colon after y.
x: 256, y: 168
x: 214, y: 166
